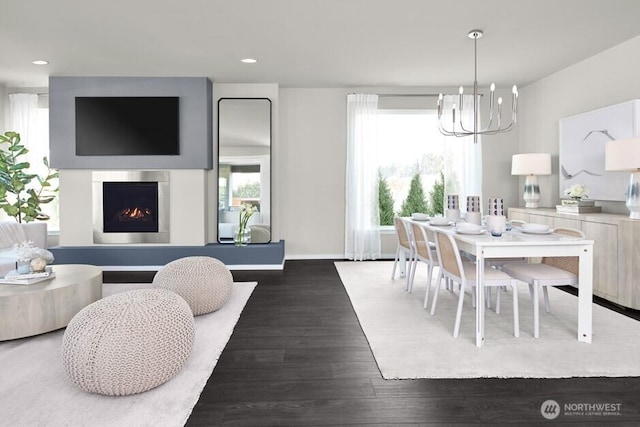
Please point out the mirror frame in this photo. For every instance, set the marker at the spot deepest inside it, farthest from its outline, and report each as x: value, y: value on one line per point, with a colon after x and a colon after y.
x: 270, y: 210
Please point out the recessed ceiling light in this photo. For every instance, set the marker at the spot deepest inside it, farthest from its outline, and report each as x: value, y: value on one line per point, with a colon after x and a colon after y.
x: 249, y: 60
x: 40, y: 62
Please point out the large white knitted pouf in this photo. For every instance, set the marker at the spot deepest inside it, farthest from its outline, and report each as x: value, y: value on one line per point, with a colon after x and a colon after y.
x: 204, y: 282
x: 129, y: 342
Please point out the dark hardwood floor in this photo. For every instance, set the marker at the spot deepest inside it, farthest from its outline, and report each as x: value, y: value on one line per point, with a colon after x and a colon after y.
x: 299, y: 357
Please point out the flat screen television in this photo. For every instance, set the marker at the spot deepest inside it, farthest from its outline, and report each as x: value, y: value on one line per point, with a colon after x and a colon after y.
x: 127, y: 126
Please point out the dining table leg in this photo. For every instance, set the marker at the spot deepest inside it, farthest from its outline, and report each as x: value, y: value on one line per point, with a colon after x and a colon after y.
x: 480, y: 306
x: 585, y: 294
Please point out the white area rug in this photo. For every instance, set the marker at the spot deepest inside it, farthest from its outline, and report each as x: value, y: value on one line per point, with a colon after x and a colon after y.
x: 407, y: 342
x: 34, y: 390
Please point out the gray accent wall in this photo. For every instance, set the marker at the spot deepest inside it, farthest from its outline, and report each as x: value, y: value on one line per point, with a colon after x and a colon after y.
x: 271, y: 254
x: 196, y: 117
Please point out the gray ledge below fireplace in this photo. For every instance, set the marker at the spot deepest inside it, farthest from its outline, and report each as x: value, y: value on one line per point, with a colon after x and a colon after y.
x: 269, y: 256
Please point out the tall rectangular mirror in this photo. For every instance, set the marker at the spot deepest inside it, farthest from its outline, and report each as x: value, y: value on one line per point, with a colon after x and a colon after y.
x: 244, y: 170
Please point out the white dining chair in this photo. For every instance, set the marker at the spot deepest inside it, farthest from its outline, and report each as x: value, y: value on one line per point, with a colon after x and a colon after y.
x: 551, y: 271
x: 464, y: 274
x: 425, y: 251
x: 404, y: 247
x: 499, y: 262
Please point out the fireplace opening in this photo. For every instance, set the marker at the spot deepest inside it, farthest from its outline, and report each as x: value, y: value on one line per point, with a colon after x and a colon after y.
x: 130, y: 207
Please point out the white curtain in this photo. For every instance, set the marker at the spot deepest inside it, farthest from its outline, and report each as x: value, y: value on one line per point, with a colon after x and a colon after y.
x: 462, y: 158
x: 362, y: 219
x: 25, y: 116
x: 26, y: 119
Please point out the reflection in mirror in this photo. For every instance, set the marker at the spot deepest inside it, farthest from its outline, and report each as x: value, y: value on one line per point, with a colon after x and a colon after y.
x: 244, y: 168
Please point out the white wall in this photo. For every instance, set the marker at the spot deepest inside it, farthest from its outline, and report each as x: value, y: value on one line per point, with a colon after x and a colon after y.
x: 188, y: 207
x: 608, y: 78
x: 311, y: 159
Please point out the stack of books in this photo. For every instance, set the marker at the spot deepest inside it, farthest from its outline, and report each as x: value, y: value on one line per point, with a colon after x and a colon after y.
x: 578, y: 206
x: 15, y: 278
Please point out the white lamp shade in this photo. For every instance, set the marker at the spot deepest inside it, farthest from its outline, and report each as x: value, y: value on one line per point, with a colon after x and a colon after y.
x: 622, y: 155
x: 531, y: 164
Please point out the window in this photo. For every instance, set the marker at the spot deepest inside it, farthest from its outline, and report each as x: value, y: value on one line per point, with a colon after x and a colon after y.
x: 238, y: 184
x: 409, y: 143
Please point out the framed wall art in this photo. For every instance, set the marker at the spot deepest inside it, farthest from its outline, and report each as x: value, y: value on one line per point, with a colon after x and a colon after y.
x: 583, y: 138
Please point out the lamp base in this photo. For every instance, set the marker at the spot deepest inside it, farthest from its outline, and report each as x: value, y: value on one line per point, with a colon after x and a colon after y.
x: 633, y: 195
x: 531, y: 192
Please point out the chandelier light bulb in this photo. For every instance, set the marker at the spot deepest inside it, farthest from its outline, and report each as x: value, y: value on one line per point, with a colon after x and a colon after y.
x: 492, y: 88
x: 461, y: 90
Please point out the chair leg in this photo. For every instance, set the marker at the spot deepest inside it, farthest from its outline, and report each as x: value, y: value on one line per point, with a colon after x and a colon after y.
x: 498, y: 292
x: 516, y: 313
x: 411, y: 273
x: 429, y: 278
x: 536, y: 312
x: 456, y: 326
x: 473, y: 299
x: 545, y: 292
x: 435, y: 291
x: 395, y: 264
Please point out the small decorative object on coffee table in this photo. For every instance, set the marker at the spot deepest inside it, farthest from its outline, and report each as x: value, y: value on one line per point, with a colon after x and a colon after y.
x: 38, y: 265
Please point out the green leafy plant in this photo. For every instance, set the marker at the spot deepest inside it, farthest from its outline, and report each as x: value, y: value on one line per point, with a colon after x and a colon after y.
x: 385, y: 201
x: 22, y: 193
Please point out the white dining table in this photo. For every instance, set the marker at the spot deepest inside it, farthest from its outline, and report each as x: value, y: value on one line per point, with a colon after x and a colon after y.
x: 516, y: 243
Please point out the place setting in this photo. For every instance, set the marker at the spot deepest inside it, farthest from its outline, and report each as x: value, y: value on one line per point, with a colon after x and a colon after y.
x: 532, y: 228
x: 468, y: 228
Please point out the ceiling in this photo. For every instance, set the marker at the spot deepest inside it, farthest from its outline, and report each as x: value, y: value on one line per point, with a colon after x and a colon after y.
x: 308, y: 43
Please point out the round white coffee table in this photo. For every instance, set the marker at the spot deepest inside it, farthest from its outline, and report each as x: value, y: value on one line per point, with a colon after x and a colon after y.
x: 27, y: 310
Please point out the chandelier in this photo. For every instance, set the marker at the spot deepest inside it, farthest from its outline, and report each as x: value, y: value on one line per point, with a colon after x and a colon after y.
x: 494, y: 125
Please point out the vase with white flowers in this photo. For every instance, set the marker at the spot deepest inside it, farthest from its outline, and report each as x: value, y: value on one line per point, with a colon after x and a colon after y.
x: 243, y: 233
x: 576, y: 193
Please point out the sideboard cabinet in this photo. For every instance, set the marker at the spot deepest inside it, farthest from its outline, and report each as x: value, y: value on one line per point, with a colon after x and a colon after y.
x: 616, y: 251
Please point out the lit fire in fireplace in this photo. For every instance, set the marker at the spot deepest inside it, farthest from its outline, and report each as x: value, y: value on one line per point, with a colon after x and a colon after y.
x: 135, y: 214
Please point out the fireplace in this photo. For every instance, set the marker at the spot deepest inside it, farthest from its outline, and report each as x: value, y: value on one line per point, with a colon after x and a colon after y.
x: 131, y: 207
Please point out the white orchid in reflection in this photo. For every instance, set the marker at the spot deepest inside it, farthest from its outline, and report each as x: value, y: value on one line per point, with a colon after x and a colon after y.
x: 246, y: 211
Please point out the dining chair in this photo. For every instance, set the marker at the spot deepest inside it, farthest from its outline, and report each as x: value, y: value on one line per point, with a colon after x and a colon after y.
x: 499, y: 262
x: 464, y: 274
x: 404, y: 246
x: 551, y: 271
x: 425, y: 251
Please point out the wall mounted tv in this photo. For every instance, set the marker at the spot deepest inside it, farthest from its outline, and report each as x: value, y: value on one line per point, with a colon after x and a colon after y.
x: 127, y: 126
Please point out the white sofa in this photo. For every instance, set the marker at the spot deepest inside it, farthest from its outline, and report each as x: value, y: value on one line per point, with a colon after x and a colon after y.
x: 12, y: 233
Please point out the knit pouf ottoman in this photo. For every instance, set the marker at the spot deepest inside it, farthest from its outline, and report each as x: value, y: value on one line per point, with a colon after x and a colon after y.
x: 204, y: 282
x: 129, y: 342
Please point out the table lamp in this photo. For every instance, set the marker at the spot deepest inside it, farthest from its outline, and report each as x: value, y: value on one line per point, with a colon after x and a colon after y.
x: 624, y: 155
x: 531, y: 165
